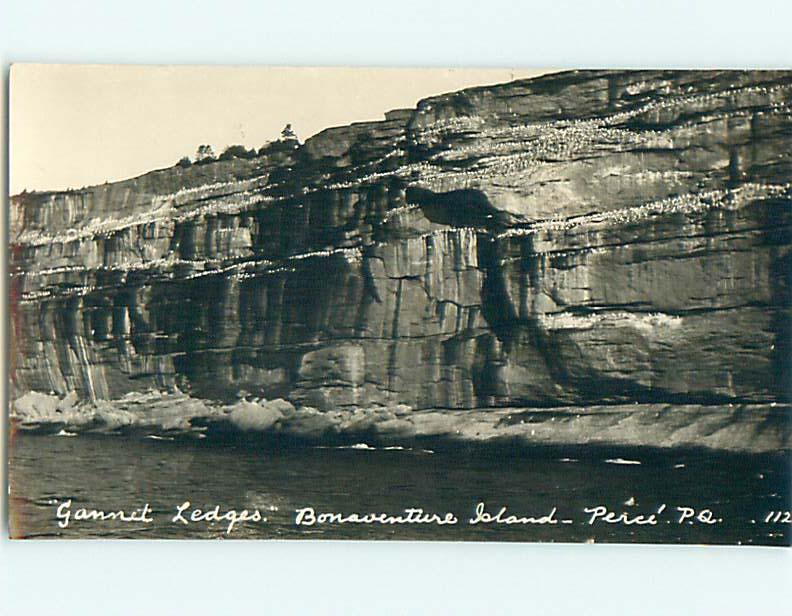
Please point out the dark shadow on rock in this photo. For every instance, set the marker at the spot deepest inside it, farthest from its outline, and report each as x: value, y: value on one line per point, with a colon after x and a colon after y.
x: 459, y: 208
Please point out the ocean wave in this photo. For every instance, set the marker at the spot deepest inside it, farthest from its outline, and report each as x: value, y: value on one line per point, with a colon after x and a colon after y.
x: 400, y: 448
x: 367, y: 447
x: 621, y: 461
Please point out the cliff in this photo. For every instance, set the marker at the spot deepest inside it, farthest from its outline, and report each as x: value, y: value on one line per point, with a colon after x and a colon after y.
x: 581, y: 240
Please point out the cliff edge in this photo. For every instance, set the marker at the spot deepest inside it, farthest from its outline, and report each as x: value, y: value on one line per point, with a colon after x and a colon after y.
x: 592, y: 243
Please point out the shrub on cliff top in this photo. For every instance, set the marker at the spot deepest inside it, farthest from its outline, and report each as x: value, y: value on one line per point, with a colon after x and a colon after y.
x: 237, y: 151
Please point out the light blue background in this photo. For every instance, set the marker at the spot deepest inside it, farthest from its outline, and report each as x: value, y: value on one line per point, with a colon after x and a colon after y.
x: 408, y: 578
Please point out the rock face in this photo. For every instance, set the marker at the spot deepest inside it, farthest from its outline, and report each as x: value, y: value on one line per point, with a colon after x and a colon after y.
x: 584, y: 238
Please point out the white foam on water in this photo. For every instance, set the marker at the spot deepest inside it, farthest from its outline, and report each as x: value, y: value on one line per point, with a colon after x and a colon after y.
x: 621, y: 461
x: 358, y: 446
x: 367, y: 447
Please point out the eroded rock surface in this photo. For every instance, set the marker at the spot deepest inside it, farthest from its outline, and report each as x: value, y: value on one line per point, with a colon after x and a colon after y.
x: 584, y: 238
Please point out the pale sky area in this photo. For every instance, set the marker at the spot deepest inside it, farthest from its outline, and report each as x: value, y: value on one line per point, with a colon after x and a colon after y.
x: 79, y: 125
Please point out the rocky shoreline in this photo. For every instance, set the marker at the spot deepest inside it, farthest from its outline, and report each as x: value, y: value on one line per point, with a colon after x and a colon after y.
x: 745, y: 428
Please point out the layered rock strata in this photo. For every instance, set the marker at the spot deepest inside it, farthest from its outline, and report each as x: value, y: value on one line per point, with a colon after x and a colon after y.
x: 581, y: 239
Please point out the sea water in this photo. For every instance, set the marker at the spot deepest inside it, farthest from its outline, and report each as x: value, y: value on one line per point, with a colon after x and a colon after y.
x: 494, y: 494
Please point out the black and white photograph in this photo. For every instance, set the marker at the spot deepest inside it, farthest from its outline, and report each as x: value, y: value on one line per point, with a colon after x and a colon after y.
x: 484, y: 305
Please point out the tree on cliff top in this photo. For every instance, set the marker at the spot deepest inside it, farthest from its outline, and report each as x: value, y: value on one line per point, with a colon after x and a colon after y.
x: 287, y: 134
x: 205, y: 153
